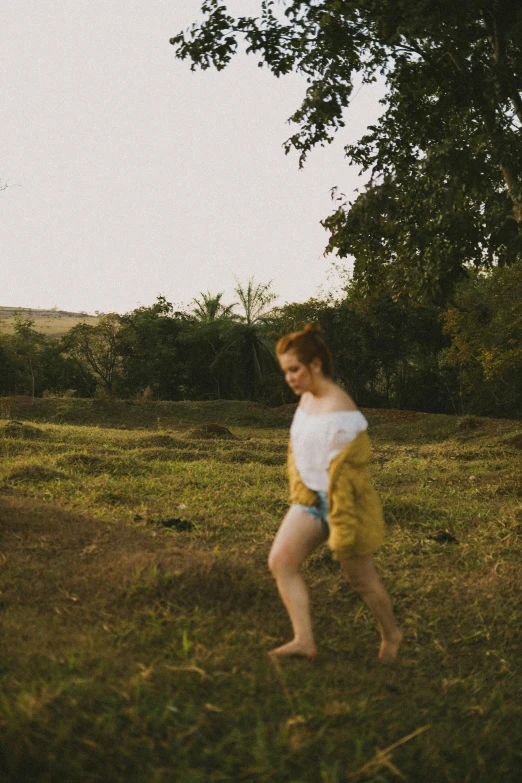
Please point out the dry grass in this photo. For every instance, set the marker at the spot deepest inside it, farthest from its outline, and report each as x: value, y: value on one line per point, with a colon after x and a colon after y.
x: 134, y: 652
x: 53, y: 323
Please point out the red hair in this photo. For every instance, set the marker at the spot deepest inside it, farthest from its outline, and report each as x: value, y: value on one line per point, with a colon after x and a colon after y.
x: 308, y: 345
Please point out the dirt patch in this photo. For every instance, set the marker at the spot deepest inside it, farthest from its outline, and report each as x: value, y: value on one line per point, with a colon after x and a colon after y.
x: 211, y: 431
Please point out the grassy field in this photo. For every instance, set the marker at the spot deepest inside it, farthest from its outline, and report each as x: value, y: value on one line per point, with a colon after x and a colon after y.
x: 136, y: 651
x: 53, y: 323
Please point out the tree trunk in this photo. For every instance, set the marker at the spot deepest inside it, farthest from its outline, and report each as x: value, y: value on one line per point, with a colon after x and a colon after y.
x: 32, y: 379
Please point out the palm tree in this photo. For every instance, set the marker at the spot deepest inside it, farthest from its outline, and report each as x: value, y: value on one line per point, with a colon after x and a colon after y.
x: 211, y: 317
x: 247, y: 354
x: 255, y: 298
x: 210, y: 308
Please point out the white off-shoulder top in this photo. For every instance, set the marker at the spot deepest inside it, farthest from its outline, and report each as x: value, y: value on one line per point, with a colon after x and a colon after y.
x: 319, y: 437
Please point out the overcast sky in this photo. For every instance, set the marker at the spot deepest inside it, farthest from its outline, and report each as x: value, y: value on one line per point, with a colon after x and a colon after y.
x: 132, y: 176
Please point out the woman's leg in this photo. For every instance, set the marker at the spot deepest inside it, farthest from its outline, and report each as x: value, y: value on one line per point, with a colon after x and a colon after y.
x: 361, y: 574
x: 300, y: 533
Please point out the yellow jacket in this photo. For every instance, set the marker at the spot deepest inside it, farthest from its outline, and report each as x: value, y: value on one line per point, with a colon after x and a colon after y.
x: 354, y: 510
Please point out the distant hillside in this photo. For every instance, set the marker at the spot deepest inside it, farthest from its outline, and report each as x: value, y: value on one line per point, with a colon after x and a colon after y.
x: 53, y: 323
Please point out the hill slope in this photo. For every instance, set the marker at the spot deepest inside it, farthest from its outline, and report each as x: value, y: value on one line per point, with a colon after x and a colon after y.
x: 53, y: 323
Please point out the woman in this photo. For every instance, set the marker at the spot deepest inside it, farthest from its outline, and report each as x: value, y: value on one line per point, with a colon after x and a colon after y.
x: 331, y: 492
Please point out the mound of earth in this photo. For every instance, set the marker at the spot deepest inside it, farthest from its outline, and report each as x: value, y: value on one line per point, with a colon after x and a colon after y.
x: 468, y: 423
x: 515, y: 442
x: 17, y: 429
x: 67, y: 576
x: 34, y: 473
x: 208, y: 431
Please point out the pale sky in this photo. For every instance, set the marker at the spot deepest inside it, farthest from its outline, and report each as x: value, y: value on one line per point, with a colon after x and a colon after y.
x: 132, y: 176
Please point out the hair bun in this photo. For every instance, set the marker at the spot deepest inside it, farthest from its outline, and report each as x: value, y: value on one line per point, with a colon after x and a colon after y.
x: 313, y: 328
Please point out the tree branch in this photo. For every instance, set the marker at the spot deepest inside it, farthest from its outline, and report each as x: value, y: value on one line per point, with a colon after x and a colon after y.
x: 498, y: 43
x: 459, y: 63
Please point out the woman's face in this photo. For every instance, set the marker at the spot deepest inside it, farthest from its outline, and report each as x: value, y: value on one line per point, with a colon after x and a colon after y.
x: 300, y: 377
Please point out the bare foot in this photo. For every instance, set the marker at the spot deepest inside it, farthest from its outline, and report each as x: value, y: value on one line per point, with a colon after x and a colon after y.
x: 390, y: 647
x: 296, y: 647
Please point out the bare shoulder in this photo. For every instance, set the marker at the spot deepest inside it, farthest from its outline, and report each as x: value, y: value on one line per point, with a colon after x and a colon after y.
x: 341, y: 401
x: 334, y: 401
x: 306, y: 403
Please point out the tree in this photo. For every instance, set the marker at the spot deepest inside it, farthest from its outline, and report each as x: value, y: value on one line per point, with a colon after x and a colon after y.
x: 210, y: 308
x: 385, y: 352
x: 485, y: 328
x: 247, y: 356
x: 206, y: 341
x: 155, y: 352
x: 96, y: 349
x: 394, y: 346
x: 337, y: 324
x: 256, y: 299
x: 445, y: 160
x: 31, y: 363
x: 29, y: 345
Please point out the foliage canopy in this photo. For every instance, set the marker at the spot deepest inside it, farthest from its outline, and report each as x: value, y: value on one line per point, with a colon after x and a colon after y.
x: 392, y: 353
x: 445, y: 160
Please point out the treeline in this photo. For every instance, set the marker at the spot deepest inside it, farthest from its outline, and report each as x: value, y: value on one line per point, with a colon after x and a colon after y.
x: 461, y: 357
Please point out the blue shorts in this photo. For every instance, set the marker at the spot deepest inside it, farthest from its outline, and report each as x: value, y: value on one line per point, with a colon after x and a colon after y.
x: 319, y: 511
